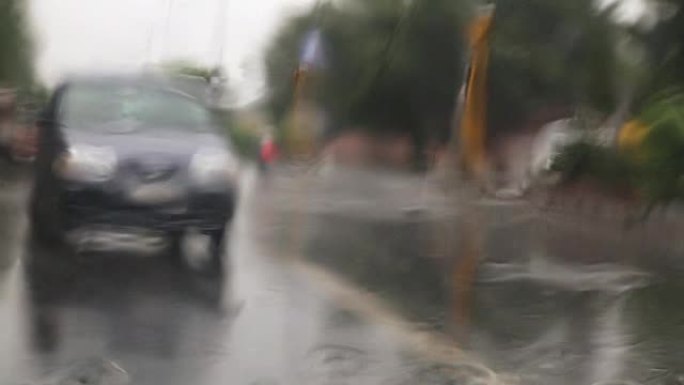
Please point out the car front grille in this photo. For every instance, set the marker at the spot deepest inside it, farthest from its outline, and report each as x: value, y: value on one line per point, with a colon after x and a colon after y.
x: 148, y: 172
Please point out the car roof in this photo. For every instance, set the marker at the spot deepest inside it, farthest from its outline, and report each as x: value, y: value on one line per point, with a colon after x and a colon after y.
x: 114, y: 78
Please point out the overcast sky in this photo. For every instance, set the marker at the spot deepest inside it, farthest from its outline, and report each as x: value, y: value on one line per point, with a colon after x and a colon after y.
x: 105, y: 35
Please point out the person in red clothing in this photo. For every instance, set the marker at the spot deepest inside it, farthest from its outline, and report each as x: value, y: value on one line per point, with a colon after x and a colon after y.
x: 268, y: 151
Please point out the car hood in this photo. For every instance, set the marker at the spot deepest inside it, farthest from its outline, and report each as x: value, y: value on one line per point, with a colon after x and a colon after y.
x: 149, y: 145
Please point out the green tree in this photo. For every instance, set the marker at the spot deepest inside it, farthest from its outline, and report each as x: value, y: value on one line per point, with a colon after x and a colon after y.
x: 550, y: 53
x: 391, y: 65
x: 395, y: 65
x: 282, y: 60
x: 15, y: 47
x: 664, y: 43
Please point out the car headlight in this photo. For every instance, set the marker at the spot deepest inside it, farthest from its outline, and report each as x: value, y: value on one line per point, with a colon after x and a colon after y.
x: 85, y: 163
x: 213, y: 168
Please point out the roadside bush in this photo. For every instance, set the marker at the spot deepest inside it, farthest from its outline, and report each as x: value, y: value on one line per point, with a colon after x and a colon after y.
x: 661, y: 155
x: 653, y: 168
x: 245, y: 142
x: 602, y: 164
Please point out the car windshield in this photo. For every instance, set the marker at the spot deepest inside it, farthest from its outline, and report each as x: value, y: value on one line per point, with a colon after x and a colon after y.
x: 124, y: 108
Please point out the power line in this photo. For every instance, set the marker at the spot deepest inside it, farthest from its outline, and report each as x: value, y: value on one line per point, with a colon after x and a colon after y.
x: 387, y: 52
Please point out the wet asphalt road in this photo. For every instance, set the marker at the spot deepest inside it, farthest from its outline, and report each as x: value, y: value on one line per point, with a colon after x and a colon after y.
x: 119, y: 317
x: 546, y: 301
x: 540, y: 297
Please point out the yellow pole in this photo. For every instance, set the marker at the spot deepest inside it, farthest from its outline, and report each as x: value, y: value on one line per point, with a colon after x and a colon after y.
x: 472, y: 152
x: 465, y: 270
x: 474, y: 120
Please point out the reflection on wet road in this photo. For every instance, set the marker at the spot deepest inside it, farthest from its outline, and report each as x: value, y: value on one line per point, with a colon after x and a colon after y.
x: 549, y: 303
x: 120, y: 318
x: 551, y: 300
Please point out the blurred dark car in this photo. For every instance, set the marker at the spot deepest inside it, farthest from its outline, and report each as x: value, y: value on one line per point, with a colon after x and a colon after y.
x: 131, y: 152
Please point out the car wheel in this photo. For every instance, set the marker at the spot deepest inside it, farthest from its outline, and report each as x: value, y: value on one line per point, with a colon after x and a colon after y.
x: 202, y: 252
x: 217, y: 245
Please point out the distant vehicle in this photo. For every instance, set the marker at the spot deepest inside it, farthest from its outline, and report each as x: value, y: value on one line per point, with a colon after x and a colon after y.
x: 118, y: 153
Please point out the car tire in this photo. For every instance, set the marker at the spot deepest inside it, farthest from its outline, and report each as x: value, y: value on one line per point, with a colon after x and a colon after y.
x: 212, y: 265
x: 216, y: 250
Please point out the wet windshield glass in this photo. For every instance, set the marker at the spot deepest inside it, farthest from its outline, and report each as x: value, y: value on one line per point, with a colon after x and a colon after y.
x: 342, y: 192
x: 120, y: 109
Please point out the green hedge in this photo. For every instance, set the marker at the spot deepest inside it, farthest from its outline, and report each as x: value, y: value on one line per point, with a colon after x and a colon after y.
x: 587, y: 160
x: 245, y: 141
x: 654, y: 169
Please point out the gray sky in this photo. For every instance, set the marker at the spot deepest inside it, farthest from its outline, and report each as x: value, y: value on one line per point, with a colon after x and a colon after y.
x: 110, y: 35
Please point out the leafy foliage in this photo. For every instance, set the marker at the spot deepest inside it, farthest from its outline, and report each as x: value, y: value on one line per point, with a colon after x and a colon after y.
x: 662, y: 152
x: 550, y: 53
x: 584, y: 159
x: 15, y: 46
x: 665, y: 45
x: 282, y: 62
x: 396, y: 66
x: 244, y: 139
x: 390, y: 65
x: 654, y: 168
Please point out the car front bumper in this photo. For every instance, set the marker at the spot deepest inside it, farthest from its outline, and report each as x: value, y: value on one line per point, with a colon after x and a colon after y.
x: 85, y: 207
